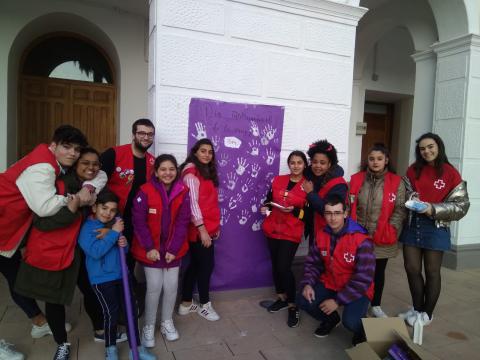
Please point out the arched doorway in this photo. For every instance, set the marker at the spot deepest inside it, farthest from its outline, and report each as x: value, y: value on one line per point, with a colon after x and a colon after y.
x: 65, y: 79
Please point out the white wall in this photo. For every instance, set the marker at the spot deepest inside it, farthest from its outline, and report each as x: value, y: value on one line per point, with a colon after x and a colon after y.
x: 253, y: 51
x: 120, y: 33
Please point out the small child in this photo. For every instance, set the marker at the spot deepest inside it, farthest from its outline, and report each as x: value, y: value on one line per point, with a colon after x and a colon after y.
x: 104, y: 270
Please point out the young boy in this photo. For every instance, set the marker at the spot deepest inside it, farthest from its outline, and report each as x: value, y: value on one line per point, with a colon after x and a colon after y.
x: 104, y: 269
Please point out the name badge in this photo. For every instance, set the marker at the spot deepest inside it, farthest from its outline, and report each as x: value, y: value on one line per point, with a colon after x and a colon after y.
x: 152, y: 211
x: 324, y: 252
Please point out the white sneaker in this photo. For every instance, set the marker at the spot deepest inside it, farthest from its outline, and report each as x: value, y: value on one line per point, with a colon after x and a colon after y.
x: 412, y: 318
x: 425, y: 319
x: 378, y: 312
x: 185, y: 310
x: 41, y: 331
x: 7, y: 352
x: 148, y: 336
x: 404, y: 315
x: 208, y: 312
x: 168, y: 329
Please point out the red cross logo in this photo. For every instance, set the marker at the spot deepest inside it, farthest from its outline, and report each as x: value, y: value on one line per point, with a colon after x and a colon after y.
x: 349, y: 257
x: 392, y: 197
x: 439, y: 184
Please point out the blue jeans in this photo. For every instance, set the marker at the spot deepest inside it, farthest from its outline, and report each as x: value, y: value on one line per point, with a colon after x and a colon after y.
x: 352, y: 312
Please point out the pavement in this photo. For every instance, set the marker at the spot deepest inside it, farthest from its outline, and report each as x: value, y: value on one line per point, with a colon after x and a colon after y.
x: 247, y: 331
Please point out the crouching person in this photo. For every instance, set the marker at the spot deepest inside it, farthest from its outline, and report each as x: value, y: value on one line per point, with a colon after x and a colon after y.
x: 104, y: 270
x: 338, y: 271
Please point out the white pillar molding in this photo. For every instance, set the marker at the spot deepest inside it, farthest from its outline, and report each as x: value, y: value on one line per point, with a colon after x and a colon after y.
x: 424, y: 92
x: 355, y: 141
x: 457, y: 120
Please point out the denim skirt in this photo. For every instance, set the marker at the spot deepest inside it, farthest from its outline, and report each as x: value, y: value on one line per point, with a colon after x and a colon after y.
x: 423, y: 233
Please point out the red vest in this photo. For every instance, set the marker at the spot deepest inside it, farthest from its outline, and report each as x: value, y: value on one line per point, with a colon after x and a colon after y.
x: 154, y: 221
x: 280, y: 225
x: 340, y: 267
x: 15, y: 215
x: 208, y: 203
x: 385, y: 233
x: 121, y: 180
x: 52, y: 250
x: 318, y: 220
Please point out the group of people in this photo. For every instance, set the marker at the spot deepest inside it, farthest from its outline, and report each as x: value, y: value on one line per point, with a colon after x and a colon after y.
x: 67, y: 212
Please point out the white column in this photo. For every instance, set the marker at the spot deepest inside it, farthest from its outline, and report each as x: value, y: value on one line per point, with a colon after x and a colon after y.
x: 355, y: 141
x: 457, y: 121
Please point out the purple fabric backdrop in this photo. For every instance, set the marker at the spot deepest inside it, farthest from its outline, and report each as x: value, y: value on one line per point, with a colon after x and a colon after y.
x: 247, y: 140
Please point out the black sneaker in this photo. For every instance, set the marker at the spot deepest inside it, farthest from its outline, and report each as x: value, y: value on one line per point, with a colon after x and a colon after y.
x: 63, y: 352
x: 293, y: 317
x: 328, y: 325
x: 277, y: 306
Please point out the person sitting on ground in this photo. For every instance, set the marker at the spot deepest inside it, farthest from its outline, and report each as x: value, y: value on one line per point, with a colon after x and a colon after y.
x: 338, y: 271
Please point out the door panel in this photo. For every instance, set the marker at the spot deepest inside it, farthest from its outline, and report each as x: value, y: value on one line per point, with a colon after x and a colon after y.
x: 379, y: 130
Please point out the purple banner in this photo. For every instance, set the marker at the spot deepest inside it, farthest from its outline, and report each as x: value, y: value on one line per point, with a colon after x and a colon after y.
x: 247, y: 140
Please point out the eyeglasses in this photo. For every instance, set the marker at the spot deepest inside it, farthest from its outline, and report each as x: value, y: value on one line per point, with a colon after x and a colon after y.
x: 333, y: 213
x: 95, y: 164
x: 145, y: 134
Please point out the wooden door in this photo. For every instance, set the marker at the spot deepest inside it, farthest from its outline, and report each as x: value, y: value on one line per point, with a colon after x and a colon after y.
x: 46, y: 103
x: 379, y: 130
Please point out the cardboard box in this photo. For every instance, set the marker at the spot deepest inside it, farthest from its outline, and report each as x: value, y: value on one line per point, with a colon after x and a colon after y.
x: 381, y: 334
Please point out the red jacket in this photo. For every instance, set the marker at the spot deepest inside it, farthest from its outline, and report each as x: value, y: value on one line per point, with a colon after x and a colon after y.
x: 15, y: 215
x: 208, y: 203
x: 121, y: 180
x: 385, y: 233
x: 340, y: 267
x: 52, y: 250
x: 280, y: 225
x: 154, y: 221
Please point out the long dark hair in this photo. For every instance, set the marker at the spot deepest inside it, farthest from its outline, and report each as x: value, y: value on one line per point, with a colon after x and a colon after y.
x: 208, y: 171
x: 165, y: 157
x: 440, y: 160
x: 384, y: 150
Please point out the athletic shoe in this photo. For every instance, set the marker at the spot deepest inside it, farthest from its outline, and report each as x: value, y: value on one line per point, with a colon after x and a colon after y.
x: 208, y: 312
x: 7, y: 352
x: 63, y: 352
x: 111, y: 353
x: 293, y: 317
x: 412, y: 318
x: 416, y: 205
x: 185, y: 310
x: 404, y: 315
x: 40, y: 331
x: 143, y: 354
x: 277, y: 306
x: 121, y: 337
x: 378, y: 312
x: 424, y: 319
x: 328, y: 325
x: 148, y: 336
x: 168, y: 329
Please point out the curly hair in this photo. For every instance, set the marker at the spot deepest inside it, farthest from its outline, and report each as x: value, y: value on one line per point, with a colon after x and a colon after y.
x: 323, y: 147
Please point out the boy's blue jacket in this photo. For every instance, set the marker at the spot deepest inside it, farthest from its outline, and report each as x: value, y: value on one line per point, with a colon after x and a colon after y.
x: 102, y: 256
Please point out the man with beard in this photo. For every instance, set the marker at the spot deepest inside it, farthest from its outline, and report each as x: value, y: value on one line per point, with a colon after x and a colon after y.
x: 128, y: 167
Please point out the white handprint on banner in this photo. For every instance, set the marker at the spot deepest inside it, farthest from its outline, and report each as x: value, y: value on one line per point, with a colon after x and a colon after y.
x: 243, y: 217
x: 254, y: 204
x: 257, y: 225
x: 254, y: 129
x: 201, y: 131
x: 231, y: 180
x: 234, y: 201
x: 221, y: 195
x: 270, y: 156
x: 269, y: 132
x: 269, y: 177
x: 241, y: 166
x: 223, y: 161
x: 224, y: 216
x: 255, y: 170
x: 216, y: 143
x: 253, y: 145
x: 247, y: 185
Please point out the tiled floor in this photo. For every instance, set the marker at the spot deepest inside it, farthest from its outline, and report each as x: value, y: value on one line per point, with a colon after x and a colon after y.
x: 247, y: 332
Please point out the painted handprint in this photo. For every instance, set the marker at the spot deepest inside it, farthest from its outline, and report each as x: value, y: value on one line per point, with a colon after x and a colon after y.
x: 269, y: 177
x: 231, y: 180
x: 269, y: 132
x: 223, y: 161
x: 241, y: 166
x: 221, y: 195
x: 216, y: 143
x: 257, y: 225
x: 224, y: 216
x: 254, y: 129
x: 253, y: 145
x: 270, y: 156
x: 253, y: 202
x: 234, y: 201
x: 247, y: 185
x: 255, y: 170
x: 243, y: 217
x: 201, y: 131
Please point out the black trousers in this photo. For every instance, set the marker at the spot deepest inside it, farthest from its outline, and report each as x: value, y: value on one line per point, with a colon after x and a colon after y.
x: 379, y: 281
x: 199, y: 271
x: 282, y: 253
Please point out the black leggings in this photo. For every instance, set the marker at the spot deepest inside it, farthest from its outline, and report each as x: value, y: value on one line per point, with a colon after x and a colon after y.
x: 202, y: 261
x: 425, y: 292
x: 379, y: 281
x: 282, y: 253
